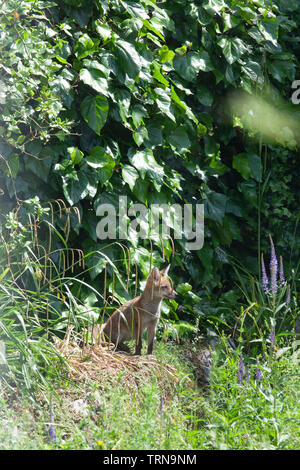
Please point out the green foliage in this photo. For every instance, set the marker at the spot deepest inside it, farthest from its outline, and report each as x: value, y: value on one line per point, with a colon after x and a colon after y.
x: 100, y: 99
x: 36, y: 299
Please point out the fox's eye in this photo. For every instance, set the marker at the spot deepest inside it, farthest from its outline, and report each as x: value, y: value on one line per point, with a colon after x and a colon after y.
x: 164, y: 287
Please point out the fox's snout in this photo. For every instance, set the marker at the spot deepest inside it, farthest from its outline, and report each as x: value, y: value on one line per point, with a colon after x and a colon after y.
x: 170, y: 295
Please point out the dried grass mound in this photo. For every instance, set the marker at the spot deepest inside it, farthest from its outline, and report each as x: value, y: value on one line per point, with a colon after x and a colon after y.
x: 101, y: 363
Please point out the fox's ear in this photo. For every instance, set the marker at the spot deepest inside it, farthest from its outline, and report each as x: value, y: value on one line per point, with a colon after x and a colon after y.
x: 165, y: 271
x: 155, y: 274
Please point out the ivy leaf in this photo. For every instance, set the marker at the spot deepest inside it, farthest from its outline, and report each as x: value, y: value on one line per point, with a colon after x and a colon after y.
x: 282, y: 69
x: 206, y: 64
x: 91, y: 177
x: 95, y: 261
x: 183, y: 288
x: 129, y: 59
x: 39, y: 166
x: 255, y: 166
x: 130, y: 175
x: 249, y: 191
x: 138, y: 112
x: 201, y: 130
x: 10, y: 165
x: 141, y: 190
x: 234, y: 204
x: 177, y: 100
x: 230, y: 230
x: 253, y: 71
x: 182, y: 105
x: 61, y: 86
x: 123, y: 97
x: 241, y: 164
x: 75, y: 188
x: 161, y: 19
x: 150, y: 26
x: 229, y: 75
x: 97, y: 157
x: 206, y: 257
x: 214, y: 6
x: 95, y: 75
x: 75, y: 155
x: 179, y: 138
x: 146, y: 165
x: 230, y: 21
x: 89, y: 223
x: 140, y: 135
x: 214, y: 206
x: 247, y: 14
x: 107, y: 171
x: 158, y: 75
x: 6, y: 149
x: 104, y: 31
x: 188, y: 66
x: 233, y: 48
x: 154, y: 135
x: 165, y: 54
x: 256, y: 34
x: 85, y: 46
x: 101, y: 161
x: 135, y: 9
x: 269, y: 30
x: 94, y: 110
x: 163, y: 101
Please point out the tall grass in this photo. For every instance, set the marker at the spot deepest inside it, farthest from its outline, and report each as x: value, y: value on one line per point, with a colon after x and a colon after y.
x: 38, y: 300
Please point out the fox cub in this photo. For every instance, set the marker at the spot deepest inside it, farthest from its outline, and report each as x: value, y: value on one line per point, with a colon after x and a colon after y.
x: 141, y: 313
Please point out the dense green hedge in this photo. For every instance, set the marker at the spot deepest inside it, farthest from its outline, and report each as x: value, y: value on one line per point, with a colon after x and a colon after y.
x: 107, y: 98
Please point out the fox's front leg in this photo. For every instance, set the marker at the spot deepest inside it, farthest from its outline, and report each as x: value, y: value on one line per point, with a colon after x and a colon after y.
x: 151, y: 336
x: 138, y: 348
x: 138, y: 336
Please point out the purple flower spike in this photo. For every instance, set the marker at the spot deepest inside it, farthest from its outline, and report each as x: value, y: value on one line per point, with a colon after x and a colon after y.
x: 281, y: 273
x: 241, y: 370
x: 258, y: 375
x: 273, y: 268
x: 264, y: 280
x: 242, y: 366
x: 51, y: 433
x: 272, y: 338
